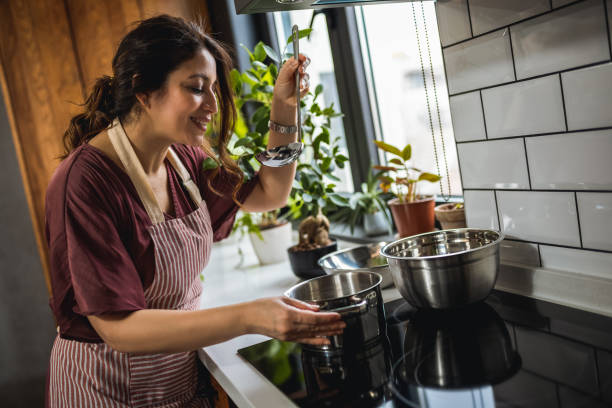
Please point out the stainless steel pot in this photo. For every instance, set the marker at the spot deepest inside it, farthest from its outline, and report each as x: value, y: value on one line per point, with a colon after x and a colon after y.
x: 445, y: 269
x: 356, y: 296
x: 362, y: 258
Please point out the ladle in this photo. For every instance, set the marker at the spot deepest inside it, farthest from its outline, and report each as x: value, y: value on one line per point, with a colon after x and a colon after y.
x: 286, y: 154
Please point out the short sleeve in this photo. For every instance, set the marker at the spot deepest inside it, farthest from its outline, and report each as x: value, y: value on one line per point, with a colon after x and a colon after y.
x: 223, y: 208
x: 103, y: 275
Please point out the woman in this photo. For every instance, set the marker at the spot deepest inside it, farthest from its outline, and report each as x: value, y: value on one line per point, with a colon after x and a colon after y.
x: 131, y: 217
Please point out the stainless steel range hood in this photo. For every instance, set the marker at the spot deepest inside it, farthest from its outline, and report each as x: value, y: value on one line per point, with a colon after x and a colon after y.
x: 264, y: 6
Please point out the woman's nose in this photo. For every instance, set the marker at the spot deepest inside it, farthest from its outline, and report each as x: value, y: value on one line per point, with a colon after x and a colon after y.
x: 210, y: 103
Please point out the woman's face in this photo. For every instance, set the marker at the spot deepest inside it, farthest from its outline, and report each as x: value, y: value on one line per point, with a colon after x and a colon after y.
x: 181, y: 111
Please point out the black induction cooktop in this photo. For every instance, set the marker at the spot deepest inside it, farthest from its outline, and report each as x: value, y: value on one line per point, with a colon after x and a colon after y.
x: 508, y: 351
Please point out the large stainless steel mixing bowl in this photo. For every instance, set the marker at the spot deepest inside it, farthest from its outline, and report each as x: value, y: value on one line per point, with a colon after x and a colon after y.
x: 445, y: 269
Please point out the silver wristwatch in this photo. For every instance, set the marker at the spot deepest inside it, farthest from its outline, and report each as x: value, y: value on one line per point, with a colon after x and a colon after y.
x: 286, y: 130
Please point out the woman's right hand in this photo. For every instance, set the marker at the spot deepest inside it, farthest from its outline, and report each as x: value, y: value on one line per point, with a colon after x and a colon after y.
x: 292, y: 320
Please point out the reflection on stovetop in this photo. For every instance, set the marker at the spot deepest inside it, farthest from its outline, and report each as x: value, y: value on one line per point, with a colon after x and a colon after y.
x: 509, y: 351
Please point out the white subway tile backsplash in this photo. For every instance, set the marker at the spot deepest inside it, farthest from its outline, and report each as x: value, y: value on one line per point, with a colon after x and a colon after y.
x: 480, y: 62
x: 571, y: 161
x: 588, y: 97
x: 523, y: 108
x: 453, y: 21
x: 480, y: 209
x: 595, y: 210
x: 488, y: 15
x: 547, y: 217
x: 466, y: 114
x: 569, y: 37
x: 494, y: 164
x: 577, y: 260
x: 519, y: 252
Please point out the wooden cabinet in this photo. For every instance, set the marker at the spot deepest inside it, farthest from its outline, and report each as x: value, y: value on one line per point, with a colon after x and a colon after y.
x: 51, y: 52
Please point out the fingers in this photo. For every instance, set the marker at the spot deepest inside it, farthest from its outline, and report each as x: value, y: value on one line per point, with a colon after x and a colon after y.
x: 299, y: 304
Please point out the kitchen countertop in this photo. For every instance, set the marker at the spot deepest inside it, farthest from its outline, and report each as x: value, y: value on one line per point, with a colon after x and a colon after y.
x: 228, y: 279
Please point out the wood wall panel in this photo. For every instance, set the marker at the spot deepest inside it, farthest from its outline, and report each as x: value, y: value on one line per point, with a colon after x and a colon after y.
x: 39, y: 76
x: 51, y: 52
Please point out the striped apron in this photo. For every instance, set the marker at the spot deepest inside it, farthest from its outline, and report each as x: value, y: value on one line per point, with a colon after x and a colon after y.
x: 93, y: 374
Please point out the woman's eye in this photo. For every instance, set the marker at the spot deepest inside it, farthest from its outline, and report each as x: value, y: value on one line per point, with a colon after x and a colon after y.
x: 197, y: 91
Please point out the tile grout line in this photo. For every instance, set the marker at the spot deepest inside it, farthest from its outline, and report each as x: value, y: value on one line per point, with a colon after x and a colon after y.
x: 539, y: 256
x: 563, y: 102
x: 512, y: 24
x: 499, y: 223
x: 467, y: 3
x: 589, y: 65
x: 512, y: 52
x: 536, y: 135
x: 606, y: 11
x: 484, y: 119
x: 537, y: 190
x: 601, y: 251
x: 578, y: 219
x: 527, y: 163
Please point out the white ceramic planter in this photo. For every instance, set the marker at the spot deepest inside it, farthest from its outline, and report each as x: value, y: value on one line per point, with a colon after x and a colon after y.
x: 375, y: 224
x: 273, y: 248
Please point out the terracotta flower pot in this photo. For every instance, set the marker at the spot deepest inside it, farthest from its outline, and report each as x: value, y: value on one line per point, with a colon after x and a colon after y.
x: 449, y: 216
x: 413, y: 218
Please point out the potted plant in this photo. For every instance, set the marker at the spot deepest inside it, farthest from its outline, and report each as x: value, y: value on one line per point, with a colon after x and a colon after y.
x: 450, y: 215
x: 313, y: 190
x: 368, y: 208
x: 413, y: 214
x: 313, y: 196
x: 253, y: 93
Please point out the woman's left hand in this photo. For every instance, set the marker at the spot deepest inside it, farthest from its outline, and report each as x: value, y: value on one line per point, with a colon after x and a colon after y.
x: 284, y: 100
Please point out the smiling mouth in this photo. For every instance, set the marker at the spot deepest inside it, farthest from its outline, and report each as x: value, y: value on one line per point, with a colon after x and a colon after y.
x: 200, y: 123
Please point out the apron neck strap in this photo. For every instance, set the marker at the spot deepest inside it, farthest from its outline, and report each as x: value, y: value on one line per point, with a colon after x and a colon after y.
x: 134, y: 170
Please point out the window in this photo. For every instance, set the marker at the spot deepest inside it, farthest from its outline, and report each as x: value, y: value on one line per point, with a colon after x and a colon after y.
x: 398, y: 96
x: 321, y: 71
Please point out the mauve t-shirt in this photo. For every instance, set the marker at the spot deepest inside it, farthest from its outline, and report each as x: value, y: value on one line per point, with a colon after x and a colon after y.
x: 102, y: 256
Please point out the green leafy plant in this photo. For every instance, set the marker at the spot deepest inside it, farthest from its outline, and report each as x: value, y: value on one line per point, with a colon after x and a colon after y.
x: 370, y: 200
x: 399, y: 177
x: 313, y: 189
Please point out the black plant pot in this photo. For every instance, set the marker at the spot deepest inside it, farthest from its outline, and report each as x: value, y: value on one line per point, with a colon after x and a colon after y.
x: 304, y: 263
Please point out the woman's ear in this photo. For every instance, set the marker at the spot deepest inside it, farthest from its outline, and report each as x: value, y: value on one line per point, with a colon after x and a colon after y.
x: 142, y: 97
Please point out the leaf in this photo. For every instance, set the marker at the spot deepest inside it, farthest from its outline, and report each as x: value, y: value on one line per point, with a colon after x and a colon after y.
x: 388, y: 148
x: 243, y: 141
x: 397, y: 161
x: 355, y: 199
x: 429, y: 177
x: 384, y: 168
x: 259, y: 53
x: 260, y: 65
x: 321, y: 201
x: 307, y: 198
x: 251, y: 57
x: 236, y: 82
x: 271, y: 53
x: 407, y: 152
x: 249, y: 78
x: 318, y: 90
x: 338, y: 200
x: 301, y: 34
x: 209, y: 164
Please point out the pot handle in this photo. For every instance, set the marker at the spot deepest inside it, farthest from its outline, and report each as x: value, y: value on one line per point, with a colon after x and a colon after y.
x: 357, y: 308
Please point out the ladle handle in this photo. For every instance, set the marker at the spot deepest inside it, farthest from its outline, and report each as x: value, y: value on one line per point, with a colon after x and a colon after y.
x: 296, y: 55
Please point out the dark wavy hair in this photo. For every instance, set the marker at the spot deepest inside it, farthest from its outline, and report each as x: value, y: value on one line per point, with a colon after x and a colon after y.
x: 142, y: 63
